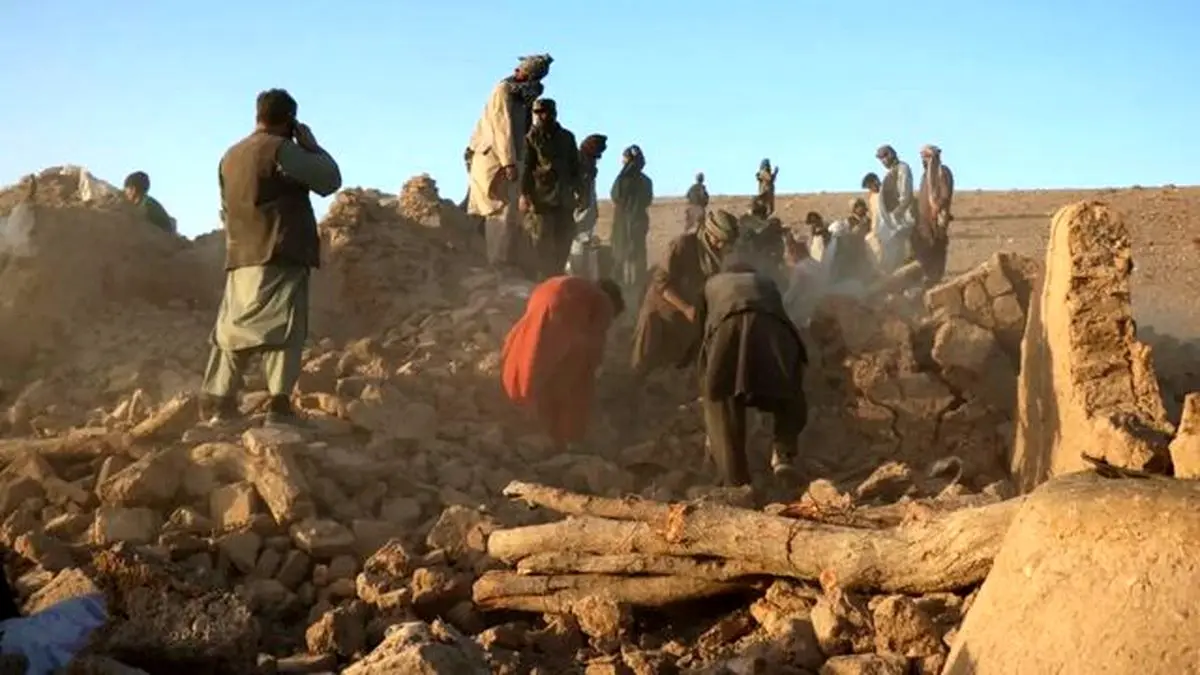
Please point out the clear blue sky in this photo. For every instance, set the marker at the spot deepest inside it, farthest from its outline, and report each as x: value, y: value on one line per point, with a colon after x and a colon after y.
x: 1018, y: 94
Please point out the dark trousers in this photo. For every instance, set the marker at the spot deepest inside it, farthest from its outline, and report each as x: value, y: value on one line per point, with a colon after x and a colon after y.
x: 551, y: 232
x: 931, y: 250
x: 725, y: 423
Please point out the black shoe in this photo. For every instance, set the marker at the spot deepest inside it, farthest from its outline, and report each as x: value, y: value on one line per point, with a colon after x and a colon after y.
x: 281, y: 413
x: 218, y: 409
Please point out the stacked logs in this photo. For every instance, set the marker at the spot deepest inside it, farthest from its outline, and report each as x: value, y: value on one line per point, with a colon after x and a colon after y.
x: 642, y: 553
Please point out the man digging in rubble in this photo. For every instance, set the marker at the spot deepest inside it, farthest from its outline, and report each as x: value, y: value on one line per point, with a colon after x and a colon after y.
x: 667, y: 331
x: 931, y: 239
x: 137, y: 192
x: 494, y: 157
x: 751, y: 357
x: 550, y: 180
x: 271, y: 245
x: 632, y: 194
x: 551, y: 355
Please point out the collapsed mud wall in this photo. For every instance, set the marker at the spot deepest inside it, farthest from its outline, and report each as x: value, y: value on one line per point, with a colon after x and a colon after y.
x: 902, y: 383
x: 1088, y: 386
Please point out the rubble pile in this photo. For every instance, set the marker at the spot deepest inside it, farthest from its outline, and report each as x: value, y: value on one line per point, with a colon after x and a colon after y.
x: 393, y: 534
x: 419, y: 198
x: 98, y: 305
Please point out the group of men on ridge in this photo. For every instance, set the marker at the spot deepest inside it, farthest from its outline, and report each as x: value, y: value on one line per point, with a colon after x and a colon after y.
x: 706, y: 304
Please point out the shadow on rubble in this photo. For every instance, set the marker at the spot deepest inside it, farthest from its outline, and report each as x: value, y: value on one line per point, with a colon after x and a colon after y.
x: 1177, y: 365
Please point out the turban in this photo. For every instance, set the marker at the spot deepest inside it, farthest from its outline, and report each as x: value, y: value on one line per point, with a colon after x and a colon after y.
x: 723, y: 225
x: 536, y: 66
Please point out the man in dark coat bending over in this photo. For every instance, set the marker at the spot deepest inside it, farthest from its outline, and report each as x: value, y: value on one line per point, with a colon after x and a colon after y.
x: 751, y: 356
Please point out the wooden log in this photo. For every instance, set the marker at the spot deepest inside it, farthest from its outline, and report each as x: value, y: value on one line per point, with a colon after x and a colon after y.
x: 78, y: 443
x: 557, y: 594
x: 633, y: 564
x: 576, y: 504
x: 945, y: 552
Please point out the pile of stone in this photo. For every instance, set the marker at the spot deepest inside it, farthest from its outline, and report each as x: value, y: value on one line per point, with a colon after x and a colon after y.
x: 419, y: 198
x: 380, y: 538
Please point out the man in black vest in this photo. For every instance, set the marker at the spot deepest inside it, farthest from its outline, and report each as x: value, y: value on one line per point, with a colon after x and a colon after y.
x: 271, y: 245
x: 751, y: 357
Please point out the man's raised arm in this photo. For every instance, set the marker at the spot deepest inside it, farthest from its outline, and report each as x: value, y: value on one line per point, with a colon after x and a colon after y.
x: 316, y: 169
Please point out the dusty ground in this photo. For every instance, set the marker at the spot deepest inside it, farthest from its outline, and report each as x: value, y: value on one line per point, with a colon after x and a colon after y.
x: 1165, y: 223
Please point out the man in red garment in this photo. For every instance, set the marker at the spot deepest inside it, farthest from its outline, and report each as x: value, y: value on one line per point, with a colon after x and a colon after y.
x: 551, y: 355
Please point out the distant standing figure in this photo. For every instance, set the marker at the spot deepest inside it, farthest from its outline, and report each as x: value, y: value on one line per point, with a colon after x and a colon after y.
x: 896, y: 190
x: 886, y: 240
x: 271, y: 245
x: 632, y: 194
x: 697, y: 204
x: 137, y: 192
x: 591, y: 150
x: 751, y: 357
x: 931, y: 238
x: 550, y: 181
x: 494, y: 156
x: 766, y: 184
x: 551, y: 355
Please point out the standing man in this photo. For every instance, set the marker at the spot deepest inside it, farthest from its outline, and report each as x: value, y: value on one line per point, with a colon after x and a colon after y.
x: 697, y: 204
x: 550, y: 180
x: 632, y: 194
x: 766, y: 184
x: 587, y: 204
x: 495, y: 154
x: 896, y: 190
x: 931, y: 238
x: 887, y: 240
x: 271, y: 245
x: 551, y: 355
x: 751, y: 357
x: 137, y: 192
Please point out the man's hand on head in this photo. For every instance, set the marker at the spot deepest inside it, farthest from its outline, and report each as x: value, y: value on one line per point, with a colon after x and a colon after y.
x: 305, y: 138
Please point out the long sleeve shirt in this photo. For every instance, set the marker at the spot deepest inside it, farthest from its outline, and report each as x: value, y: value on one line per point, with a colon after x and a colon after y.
x: 154, y: 212
x: 316, y: 170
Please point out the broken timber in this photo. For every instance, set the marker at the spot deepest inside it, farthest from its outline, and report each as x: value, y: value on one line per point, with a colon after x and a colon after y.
x: 640, y: 552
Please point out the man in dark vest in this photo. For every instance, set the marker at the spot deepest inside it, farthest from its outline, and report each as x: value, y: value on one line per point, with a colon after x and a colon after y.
x: 271, y: 245
x: 751, y: 357
x: 551, y: 177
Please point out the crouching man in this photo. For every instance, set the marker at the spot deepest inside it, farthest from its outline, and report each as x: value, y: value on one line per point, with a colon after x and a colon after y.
x: 751, y: 357
x: 551, y: 355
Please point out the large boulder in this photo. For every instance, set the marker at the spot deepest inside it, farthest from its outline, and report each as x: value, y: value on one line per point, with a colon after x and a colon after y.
x: 1095, y: 575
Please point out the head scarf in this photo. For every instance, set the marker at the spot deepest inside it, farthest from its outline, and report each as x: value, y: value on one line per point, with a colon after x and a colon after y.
x: 930, y: 150
x: 547, y: 104
x: 536, y: 66
x: 637, y: 160
x: 594, y: 145
x: 885, y: 151
x: 700, y: 177
x: 722, y: 226
x: 857, y: 202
